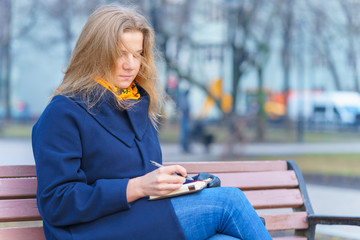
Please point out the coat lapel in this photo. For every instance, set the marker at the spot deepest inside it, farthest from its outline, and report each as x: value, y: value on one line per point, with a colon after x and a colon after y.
x: 125, y: 125
x: 138, y: 115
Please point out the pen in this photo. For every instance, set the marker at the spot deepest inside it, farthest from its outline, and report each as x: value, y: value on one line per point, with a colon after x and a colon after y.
x: 159, y: 165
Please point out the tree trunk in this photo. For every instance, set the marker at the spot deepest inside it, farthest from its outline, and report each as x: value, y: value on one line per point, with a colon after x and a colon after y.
x: 331, y: 65
x: 66, y: 21
x: 351, y: 45
x: 261, y: 101
x: 353, y: 63
x: 288, y: 20
x: 236, y: 77
x: 5, y: 18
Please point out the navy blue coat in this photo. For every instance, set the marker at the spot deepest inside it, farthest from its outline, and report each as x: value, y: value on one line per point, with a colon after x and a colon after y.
x: 84, y: 160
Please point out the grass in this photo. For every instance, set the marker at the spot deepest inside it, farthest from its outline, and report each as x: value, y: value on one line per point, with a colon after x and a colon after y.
x: 327, y: 164
x: 15, y: 130
x: 21, y: 224
x: 323, y: 237
x: 283, y: 135
x: 169, y: 132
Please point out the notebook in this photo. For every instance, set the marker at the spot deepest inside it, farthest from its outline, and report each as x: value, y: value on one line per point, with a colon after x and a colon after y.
x: 187, y: 188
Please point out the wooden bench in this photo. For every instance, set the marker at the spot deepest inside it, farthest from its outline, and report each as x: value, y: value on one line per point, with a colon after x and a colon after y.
x: 277, y: 190
x: 274, y: 185
x: 18, y: 204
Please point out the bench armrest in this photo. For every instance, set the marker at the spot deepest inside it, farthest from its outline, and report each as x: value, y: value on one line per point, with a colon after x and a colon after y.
x: 329, y: 220
x: 333, y: 220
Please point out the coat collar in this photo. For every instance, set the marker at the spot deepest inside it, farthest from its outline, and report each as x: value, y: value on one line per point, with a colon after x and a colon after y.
x: 123, y: 124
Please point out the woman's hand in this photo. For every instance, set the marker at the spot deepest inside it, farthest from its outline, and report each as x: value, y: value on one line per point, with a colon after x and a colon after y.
x: 158, y: 182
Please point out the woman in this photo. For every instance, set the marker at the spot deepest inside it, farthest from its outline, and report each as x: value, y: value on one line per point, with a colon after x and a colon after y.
x: 93, y: 143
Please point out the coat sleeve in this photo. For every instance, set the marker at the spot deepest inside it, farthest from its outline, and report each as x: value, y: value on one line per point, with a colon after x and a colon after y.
x: 64, y: 196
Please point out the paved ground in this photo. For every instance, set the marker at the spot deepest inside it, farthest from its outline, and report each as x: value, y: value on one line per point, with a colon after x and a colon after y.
x: 325, y: 199
x: 336, y: 201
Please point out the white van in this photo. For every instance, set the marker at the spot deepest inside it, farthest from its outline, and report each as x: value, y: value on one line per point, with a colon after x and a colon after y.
x: 335, y: 107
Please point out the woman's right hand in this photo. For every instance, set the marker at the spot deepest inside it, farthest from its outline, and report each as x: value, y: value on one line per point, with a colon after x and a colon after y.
x: 158, y: 182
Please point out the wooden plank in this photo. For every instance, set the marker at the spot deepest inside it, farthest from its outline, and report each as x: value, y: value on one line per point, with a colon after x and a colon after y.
x: 232, y: 166
x: 17, y: 188
x: 17, y: 171
x: 28, y: 233
x: 17, y: 210
x: 286, y: 221
x: 259, y: 180
x: 278, y: 198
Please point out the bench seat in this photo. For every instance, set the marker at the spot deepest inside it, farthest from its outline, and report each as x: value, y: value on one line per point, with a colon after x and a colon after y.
x: 276, y: 189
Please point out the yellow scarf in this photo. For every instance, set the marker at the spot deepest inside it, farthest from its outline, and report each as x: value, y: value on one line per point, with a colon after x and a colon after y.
x: 131, y: 92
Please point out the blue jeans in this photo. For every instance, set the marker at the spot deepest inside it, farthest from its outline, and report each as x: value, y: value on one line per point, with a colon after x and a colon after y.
x: 218, y: 213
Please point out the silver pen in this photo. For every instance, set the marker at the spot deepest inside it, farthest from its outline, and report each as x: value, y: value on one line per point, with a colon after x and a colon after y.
x: 159, y: 165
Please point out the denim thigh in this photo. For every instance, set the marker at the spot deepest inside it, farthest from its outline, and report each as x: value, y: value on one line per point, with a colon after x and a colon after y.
x: 218, y: 210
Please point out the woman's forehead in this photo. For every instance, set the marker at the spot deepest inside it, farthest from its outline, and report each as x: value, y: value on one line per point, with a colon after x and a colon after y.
x: 132, y: 41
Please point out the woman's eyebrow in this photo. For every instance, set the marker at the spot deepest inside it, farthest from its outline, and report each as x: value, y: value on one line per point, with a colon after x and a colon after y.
x: 126, y: 51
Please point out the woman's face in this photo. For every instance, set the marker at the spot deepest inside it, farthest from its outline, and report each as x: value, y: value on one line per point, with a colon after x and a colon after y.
x: 128, y: 64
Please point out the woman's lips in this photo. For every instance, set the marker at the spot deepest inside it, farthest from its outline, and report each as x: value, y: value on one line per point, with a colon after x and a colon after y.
x: 125, y: 76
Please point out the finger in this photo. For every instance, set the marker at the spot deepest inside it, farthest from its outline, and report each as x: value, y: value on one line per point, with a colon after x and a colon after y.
x: 170, y: 179
x: 168, y: 188
x: 178, y: 179
x: 175, y: 168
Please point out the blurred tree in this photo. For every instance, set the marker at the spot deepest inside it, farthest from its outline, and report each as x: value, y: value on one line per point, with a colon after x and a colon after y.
x: 7, y: 37
x: 5, y: 55
x: 66, y: 13
x: 351, y: 10
x: 287, y: 22
x: 263, y: 45
x: 325, y: 35
x: 249, y: 30
x: 248, y: 36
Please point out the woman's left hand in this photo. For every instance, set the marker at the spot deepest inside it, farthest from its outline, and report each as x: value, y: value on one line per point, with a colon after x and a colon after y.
x: 215, y: 182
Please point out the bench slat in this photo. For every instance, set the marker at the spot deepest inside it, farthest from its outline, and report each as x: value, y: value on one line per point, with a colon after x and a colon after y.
x: 17, y: 171
x: 259, y: 180
x: 278, y: 198
x: 28, y: 233
x: 17, y: 187
x: 286, y: 221
x: 221, y: 167
x: 17, y: 210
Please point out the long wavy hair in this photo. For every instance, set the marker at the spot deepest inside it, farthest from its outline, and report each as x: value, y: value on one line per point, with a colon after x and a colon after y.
x: 97, y: 50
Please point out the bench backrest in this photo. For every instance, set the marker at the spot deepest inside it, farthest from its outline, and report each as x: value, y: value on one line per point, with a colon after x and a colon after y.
x: 19, y: 215
x: 276, y: 189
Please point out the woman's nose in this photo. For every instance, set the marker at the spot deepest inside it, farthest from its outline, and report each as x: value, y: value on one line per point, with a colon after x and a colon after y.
x: 129, y: 62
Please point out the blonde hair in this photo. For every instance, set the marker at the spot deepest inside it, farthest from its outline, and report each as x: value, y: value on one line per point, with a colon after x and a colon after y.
x: 97, y: 50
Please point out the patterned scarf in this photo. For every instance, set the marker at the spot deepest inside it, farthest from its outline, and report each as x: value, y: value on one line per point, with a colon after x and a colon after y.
x: 131, y: 92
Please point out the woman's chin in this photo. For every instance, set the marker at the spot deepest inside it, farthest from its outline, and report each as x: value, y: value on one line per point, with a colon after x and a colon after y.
x: 123, y: 84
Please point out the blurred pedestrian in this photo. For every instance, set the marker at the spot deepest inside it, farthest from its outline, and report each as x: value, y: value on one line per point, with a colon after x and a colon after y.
x: 184, y: 107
